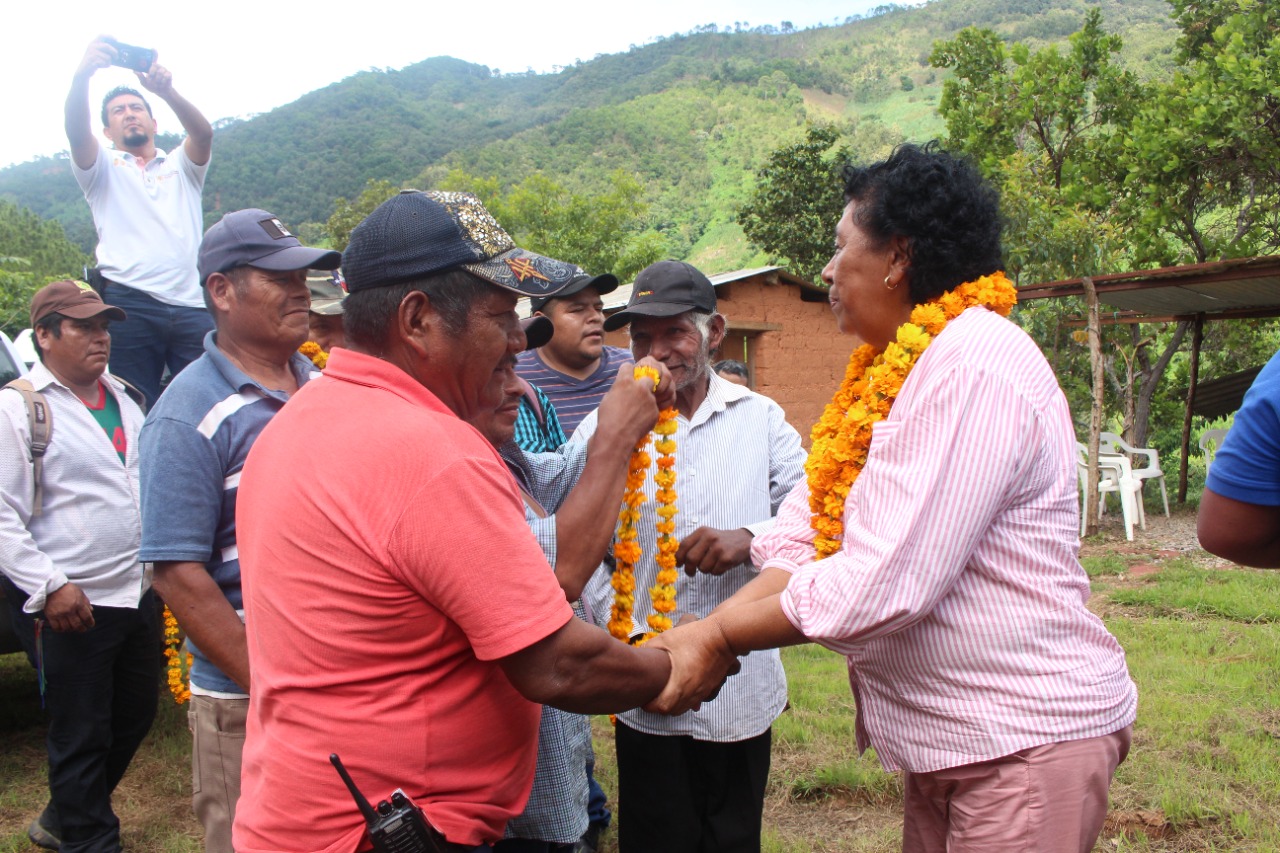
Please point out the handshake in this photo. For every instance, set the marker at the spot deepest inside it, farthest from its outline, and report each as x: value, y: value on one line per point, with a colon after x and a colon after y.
x: 701, y: 661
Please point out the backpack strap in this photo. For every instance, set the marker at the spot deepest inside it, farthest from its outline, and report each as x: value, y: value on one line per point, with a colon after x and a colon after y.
x: 531, y: 397
x: 134, y: 393
x: 40, y: 422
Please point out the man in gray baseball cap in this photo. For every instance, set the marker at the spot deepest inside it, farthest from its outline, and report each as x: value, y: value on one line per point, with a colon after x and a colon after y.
x: 194, y: 444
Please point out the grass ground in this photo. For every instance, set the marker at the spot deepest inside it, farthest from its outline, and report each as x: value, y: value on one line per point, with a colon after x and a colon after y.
x: 1203, y: 644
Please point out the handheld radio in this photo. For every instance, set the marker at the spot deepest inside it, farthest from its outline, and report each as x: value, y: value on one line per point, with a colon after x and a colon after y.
x: 396, y: 825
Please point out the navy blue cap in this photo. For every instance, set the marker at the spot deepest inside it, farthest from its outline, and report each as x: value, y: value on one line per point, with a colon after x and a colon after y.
x: 415, y: 234
x: 255, y: 238
x: 666, y: 289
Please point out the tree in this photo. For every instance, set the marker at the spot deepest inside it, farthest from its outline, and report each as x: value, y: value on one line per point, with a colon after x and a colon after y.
x: 1048, y: 128
x: 347, y: 215
x: 603, y: 232
x: 33, y: 252
x: 1063, y: 106
x: 1204, y: 152
x: 799, y: 195
x: 793, y: 212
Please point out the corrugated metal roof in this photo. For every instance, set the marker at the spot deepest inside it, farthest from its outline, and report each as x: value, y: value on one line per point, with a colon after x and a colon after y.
x: 1245, y: 286
x: 1216, y: 398
x: 618, y: 299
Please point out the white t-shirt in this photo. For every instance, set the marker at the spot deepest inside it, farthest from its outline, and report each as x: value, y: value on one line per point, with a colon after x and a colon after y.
x: 149, y: 221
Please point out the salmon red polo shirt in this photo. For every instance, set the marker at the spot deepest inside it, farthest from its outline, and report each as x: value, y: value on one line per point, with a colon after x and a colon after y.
x: 386, y: 567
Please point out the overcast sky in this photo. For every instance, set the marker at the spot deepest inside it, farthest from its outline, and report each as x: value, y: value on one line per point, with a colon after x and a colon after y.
x: 237, y: 58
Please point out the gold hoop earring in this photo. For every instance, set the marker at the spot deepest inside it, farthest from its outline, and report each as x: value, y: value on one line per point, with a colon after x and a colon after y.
x: 886, y: 283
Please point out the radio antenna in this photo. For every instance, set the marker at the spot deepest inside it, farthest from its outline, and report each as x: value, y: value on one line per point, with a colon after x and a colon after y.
x: 370, y: 816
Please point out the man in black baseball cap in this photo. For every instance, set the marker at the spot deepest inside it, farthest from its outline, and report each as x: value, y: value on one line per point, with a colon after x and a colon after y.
x: 738, y: 460
x: 666, y: 289
x: 253, y: 272
x: 419, y: 595
x: 575, y: 369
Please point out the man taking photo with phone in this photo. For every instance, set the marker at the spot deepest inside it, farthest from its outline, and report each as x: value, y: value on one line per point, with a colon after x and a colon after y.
x: 146, y: 209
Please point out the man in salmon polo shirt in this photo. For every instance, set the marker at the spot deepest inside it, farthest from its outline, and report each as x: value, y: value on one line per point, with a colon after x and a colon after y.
x: 399, y: 612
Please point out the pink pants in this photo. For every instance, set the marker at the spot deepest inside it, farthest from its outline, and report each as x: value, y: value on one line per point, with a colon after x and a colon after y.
x: 1047, y: 799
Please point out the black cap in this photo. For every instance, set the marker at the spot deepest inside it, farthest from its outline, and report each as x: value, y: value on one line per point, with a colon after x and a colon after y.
x: 255, y: 238
x: 666, y: 289
x: 537, y: 331
x: 604, y: 283
x: 416, y: 233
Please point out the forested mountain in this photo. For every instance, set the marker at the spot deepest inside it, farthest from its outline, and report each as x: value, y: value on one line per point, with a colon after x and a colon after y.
x: 691, y: 115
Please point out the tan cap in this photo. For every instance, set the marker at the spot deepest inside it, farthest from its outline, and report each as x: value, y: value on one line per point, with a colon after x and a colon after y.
x: 73, y: 299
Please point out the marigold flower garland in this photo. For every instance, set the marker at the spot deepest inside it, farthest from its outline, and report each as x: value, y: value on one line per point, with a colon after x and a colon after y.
x: 626, y: 551
x: 318, y: 357
x: 178, y: 685
x: 842, y: 436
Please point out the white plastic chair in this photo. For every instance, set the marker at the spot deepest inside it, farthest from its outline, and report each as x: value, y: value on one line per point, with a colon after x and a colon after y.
x: 1113, y: 443
x: 1114, y: 475
x: 1210, y: 443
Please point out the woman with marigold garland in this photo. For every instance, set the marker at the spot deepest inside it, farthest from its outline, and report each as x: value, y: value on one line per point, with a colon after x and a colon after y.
x: 935, y: 540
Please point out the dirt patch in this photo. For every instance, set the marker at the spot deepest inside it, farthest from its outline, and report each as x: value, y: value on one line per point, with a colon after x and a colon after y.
x: 1143, y: 823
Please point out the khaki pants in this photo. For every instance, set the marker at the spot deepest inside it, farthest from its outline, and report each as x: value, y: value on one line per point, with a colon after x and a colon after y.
x: 1047, y: 799
x: 217, y: 726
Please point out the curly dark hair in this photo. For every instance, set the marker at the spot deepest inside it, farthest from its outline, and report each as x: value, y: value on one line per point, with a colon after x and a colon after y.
x: 939, y: 202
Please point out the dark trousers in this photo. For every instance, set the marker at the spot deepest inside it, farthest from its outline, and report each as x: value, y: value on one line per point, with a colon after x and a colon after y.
x: 101, y: 692
x: 680, y: 795
x: 597, y: 803
x: 156, y: 335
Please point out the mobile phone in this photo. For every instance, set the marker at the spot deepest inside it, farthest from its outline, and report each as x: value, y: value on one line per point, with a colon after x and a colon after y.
x: 132, y: 57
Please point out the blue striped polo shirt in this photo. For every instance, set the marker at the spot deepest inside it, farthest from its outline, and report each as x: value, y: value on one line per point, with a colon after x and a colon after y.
x: 191, y: 451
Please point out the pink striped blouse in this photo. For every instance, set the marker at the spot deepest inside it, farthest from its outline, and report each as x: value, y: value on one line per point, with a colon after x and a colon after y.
x: 958, y: 597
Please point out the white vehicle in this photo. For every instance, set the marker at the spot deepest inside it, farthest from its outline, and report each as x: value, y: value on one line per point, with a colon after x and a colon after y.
x: 11, y: 367
x: 12, y: 364
x: 25, y: 345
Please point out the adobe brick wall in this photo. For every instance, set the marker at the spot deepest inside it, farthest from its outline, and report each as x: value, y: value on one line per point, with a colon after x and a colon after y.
x: 799, y: 365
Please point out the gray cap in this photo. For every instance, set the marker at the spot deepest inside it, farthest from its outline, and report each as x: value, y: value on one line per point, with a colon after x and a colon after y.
x: 255, y: 238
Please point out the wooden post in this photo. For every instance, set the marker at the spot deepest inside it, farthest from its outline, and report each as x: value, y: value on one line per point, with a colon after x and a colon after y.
x: 1094, y: 327
x: 1197, y: 337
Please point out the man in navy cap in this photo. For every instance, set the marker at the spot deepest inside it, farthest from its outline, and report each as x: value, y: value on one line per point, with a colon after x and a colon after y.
x: 194, y: 443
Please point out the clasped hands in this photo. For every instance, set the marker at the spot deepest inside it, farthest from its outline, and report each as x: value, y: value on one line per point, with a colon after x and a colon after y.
x: 701, y: 661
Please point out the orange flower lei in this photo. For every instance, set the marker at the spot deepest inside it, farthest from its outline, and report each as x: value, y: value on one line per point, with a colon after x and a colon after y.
x: 842, y: 436
x: 626, y: 551
x: 318, y: 357
x: 177, y: 672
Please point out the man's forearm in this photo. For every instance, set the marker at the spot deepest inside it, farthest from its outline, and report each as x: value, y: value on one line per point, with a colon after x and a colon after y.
x: 1244, y: 533
x: 582, y: 669
x: 199, y: 142
x: 84, y: 148
x: 206, y: 616
x: 191, y: 119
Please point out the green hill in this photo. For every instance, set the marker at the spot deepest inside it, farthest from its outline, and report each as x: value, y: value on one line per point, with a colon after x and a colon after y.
x: 693, y: 115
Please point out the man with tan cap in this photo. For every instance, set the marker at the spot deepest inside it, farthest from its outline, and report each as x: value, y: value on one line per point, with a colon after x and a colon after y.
x: 325, y: 317
x: 80, y: 601
x: 195, y: 441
